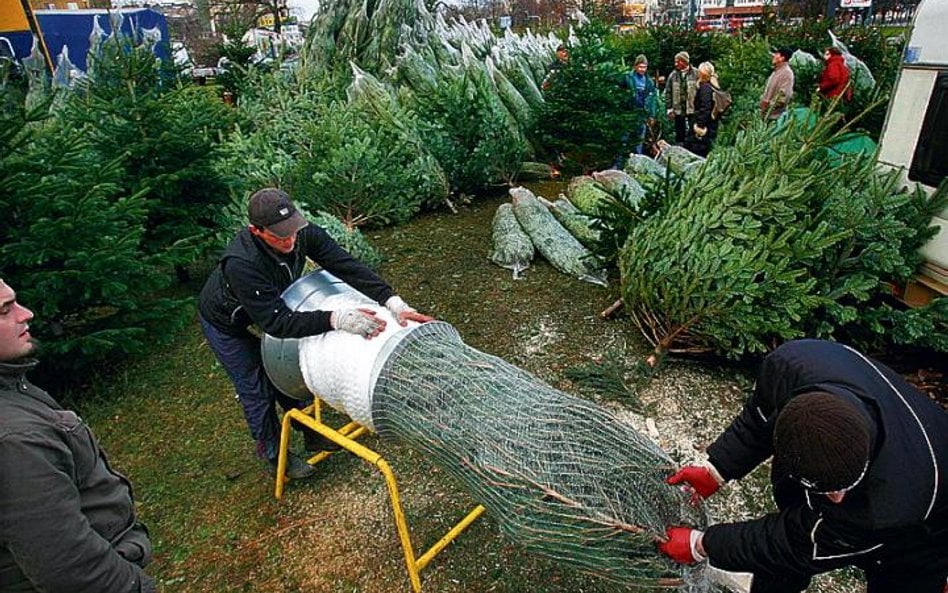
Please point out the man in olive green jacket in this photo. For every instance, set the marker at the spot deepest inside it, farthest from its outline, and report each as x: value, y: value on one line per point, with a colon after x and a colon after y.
x: 67, y: 519
x: 680, y: 89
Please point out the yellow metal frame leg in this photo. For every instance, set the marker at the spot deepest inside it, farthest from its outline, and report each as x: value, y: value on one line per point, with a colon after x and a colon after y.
x: 345, y: 437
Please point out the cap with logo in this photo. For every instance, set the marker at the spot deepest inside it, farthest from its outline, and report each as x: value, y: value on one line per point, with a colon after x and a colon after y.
x: 272, y: 209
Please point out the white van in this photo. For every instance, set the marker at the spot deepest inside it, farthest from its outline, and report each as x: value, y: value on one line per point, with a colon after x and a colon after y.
x: 915, y: 136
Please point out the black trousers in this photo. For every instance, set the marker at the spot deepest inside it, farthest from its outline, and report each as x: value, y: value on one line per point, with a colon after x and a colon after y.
x: 682, y: 126
x: 876, y: 583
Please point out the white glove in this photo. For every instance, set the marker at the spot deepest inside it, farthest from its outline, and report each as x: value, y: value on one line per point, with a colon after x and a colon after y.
x: 699, y: 131
x: 396, y: 306
x: 361, y: 322
x: 403, y: 313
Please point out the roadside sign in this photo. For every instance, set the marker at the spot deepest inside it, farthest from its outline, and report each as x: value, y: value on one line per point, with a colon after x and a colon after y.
x: 13, y: 16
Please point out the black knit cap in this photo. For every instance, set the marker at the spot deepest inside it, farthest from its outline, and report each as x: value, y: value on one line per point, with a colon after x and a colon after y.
x: 272, y: 209
x: 823, y: 441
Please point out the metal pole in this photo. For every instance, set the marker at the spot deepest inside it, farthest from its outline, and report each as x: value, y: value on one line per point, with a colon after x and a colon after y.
x: 35, y: 28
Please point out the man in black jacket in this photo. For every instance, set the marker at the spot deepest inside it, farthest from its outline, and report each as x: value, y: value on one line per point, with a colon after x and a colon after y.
x: 67, y: 519
x: 859, y: 477
x: 242, y: 297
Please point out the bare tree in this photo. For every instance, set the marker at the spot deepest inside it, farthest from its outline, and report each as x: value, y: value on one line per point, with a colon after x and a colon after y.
x: 244, y: 14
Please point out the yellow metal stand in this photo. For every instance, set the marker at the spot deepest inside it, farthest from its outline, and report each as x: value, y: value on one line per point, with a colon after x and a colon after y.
x: 345, y: 437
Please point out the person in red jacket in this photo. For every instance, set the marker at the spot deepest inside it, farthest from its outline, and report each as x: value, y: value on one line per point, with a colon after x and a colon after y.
x: 834, y: 80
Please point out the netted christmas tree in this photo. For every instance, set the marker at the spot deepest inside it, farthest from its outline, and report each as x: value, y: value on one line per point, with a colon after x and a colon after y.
x: 562, y: 476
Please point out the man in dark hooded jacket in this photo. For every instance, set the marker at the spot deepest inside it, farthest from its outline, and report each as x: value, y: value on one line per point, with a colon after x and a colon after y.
x: 243, y: 297
x: 859, y: 477
x: 67, y: 519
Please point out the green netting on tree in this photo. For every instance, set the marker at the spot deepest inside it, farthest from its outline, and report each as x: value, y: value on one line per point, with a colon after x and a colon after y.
x: 510, y: 245
x: 553, y: 241
x: 642, y: 167
x: 560, y: 475
x: 680, y: 160
x: 578, y: 224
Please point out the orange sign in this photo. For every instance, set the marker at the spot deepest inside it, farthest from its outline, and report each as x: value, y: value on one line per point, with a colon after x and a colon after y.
x: 12, y: 17
x: 632, y: 9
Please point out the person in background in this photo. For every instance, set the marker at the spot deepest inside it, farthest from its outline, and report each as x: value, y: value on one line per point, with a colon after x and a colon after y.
x: 859, y: 475
x: 67, y: 519
x: 680, y: 88
x: 705, y: 127
x: 779, y: 90
x: 242, y: 299
x: 834, y: 80
x: 562, y: 57
x: 643, y: 96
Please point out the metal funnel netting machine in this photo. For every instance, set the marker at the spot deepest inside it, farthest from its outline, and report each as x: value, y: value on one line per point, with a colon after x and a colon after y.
x: 562, y: 476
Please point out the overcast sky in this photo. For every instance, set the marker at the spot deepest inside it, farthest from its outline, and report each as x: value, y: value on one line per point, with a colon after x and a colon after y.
x: 304, y: 9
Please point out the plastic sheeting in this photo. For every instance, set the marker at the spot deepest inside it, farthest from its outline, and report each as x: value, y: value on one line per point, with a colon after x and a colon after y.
x: 78, y: 30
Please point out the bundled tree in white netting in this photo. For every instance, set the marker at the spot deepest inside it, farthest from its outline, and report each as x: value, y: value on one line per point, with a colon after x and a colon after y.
x: 562, y: 476
x: 374, y: 78
x: 391, y: 36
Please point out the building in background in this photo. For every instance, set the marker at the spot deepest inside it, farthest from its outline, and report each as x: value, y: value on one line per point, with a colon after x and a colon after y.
x: 68, y: 4
x: 731, y: 14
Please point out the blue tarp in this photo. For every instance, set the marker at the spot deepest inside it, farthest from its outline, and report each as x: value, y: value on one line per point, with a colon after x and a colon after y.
x: 75, y: 28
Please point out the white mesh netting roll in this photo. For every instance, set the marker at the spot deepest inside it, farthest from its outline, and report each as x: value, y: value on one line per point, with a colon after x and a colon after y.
x: 561, y: 475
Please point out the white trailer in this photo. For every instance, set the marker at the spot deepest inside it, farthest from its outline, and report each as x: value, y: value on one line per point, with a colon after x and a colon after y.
x: 915, y: 136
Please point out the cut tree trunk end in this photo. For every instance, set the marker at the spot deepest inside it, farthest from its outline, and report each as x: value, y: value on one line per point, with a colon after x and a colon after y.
x: 610, y: 311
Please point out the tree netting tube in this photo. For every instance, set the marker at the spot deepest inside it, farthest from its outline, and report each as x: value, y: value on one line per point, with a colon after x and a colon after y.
x: 562, y: 476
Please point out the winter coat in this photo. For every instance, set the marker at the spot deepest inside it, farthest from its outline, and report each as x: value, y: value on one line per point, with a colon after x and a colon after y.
x: 895, y: 519
x: 246, y: 286
x: 834, y: 78
x: 647, y: 99
x: 67, y: 519
x: 680, y: 89
x: 704, y: 106
x: 778, y: 92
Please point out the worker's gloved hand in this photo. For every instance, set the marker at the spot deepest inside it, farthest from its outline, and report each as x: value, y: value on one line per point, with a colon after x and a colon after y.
x: 683, y: 545
x: 699, y: 131
x: 702, y: 479
x: 362, y: 322
x: 403, y: 313
x: 671, y: 113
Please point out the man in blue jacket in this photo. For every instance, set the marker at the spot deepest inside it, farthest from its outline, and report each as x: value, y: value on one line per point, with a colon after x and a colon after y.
x: 242, y: 297
x: 67, y: 519
x: 643, y: 99
x: 859, y: 475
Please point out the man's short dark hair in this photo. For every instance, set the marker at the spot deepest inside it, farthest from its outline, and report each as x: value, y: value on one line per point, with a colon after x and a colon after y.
x: 786, y: 52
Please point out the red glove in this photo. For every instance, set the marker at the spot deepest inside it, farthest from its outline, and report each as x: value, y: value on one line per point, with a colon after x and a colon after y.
x: 699, y: 478
x: 680, y: 546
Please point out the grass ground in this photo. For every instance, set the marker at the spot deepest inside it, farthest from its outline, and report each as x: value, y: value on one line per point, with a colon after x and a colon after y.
x: 172, y: 424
